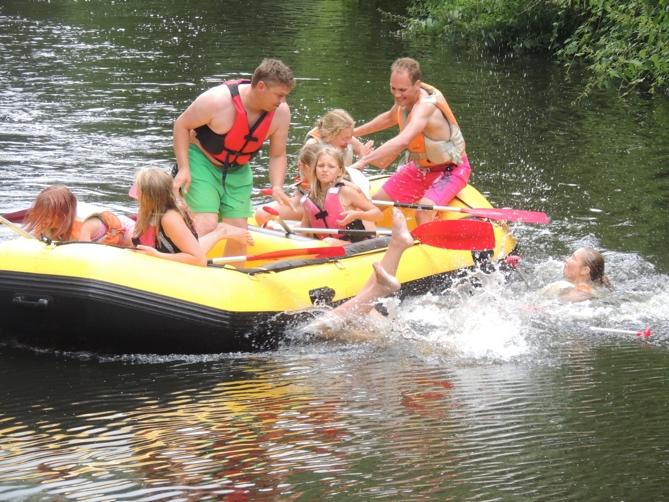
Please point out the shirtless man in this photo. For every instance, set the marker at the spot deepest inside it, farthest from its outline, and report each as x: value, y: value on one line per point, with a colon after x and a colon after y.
x: 216, y: 137
x: 437, y: 167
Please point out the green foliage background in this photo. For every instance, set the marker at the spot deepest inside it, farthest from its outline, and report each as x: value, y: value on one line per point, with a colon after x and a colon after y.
x: 623, y: 43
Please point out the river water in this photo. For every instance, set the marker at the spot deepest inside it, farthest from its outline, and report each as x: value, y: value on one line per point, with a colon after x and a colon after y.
x: 492, y: 393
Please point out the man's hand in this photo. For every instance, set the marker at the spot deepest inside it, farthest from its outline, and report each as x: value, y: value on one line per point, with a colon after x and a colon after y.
x: 280, y: 196
x: 181, y: 182
x: 367, y: 148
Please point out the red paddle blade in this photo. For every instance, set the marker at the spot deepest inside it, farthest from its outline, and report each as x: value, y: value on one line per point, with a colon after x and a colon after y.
x: 321, y: 252
x: 519, y: 215
x: 456, y: 234
x: 17, y: 216
x: 270, y: 210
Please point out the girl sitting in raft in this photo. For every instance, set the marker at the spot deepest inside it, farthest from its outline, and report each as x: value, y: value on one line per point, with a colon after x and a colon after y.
x: 584, y: 278
x: 336, y: 128
x: 334, y: 324
x: 305, y: 160
x: 165, y: 229
x: 56, y: 215
x: 334, y: 204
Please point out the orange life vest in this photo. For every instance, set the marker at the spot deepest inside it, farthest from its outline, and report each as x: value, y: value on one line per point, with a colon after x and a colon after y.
x: 417, y: 144
x: 114, y: 233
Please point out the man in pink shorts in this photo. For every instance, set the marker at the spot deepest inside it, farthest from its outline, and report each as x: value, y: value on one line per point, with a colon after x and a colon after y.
x: 437, y: 167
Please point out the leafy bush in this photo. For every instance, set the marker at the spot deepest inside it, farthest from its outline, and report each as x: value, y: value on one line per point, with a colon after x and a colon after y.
x: 624, y: 42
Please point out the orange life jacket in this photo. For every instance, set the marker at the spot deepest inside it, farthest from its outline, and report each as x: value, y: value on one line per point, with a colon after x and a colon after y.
x: 114, y: 233
x: 417, y: 144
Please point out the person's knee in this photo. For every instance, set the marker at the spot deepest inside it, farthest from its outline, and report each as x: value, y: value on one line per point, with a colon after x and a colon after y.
x: 380, y: 194
x: 205, y: 222
x: 425, y: 216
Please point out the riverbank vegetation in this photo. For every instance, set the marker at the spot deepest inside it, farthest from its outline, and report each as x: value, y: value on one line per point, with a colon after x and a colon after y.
x: 621, y: 43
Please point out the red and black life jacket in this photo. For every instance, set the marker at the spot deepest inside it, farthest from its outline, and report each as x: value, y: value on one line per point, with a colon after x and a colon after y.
x: 241, y: 142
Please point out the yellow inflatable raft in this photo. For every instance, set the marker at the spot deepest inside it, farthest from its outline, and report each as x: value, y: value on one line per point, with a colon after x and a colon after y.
x: 86, y: 296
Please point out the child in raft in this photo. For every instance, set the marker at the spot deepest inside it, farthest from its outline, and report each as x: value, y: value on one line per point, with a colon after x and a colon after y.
x: 165, y: 229
x: 305, y: 160
x: 57, y: 215
x: 334, y: 324
x: 336, y: 128
x: 584, y: 278
x: 334, y: 204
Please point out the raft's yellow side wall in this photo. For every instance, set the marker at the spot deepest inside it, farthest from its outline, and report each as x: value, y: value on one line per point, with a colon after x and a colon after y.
x: 230, y: 289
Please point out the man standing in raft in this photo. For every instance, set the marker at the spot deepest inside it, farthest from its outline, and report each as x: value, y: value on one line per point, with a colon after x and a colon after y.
x: 437, y: 167
x: 216, y: 137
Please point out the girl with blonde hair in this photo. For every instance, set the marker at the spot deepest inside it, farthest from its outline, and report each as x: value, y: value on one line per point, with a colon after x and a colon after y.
x: 334, y: 204
x: 164, y: 227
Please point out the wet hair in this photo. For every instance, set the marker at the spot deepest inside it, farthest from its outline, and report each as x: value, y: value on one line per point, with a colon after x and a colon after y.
x: 307, y: 155
x: 273, y: 72
x: 317, y: 190
x: 594, y: 260
x: 156, y: 197
x: 334, y: 122
x: 411, y: 66
x: 53, y: 213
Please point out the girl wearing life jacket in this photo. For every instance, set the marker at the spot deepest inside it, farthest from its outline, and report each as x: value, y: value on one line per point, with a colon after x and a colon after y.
x: 305, y: 160
x: 165, y: 229
x: 56, y: 215
x: 336, y: 128
x: 333, y: 204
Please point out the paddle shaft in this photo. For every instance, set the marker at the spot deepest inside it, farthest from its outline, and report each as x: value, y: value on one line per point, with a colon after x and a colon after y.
x: 644, y: 332
x: 15, y: 228
x: 505, y: 214
x: 324, y: 251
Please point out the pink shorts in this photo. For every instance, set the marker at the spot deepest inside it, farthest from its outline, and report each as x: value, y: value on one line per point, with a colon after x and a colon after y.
x: 412, y: 183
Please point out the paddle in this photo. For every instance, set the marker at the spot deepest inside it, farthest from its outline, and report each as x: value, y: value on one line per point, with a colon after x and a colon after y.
x: 448, y: 234
x: 276, y: 216
x: 491, y: 213
x: 16, y: 229
x: 16, y: 216
x: 645, y: 333
x: 320, y: 252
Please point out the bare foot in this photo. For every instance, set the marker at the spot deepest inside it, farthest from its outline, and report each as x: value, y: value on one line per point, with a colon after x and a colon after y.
x: 388, y: 282
x: 241, y: 235
x: 401, y: 236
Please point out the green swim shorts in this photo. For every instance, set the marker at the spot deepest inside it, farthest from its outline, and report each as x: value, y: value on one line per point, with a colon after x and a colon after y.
x: 207, y: 194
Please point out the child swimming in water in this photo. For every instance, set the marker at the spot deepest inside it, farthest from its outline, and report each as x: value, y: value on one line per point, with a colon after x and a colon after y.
x: 584, y: 277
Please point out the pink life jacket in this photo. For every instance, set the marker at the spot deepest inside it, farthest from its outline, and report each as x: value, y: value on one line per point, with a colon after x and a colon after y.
x: 331, y: 212
x: 327, y: 216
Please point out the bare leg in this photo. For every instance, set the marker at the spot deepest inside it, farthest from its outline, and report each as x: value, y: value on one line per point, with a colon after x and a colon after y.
x: 425, y: 216
x: 381, y: 195
x: 205, y: 222
x: 383, y: 281
x: 225, y: 231
x: 236, y: 247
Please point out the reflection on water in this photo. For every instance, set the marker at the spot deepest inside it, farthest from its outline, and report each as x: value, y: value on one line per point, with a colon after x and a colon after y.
x: 488, y: 392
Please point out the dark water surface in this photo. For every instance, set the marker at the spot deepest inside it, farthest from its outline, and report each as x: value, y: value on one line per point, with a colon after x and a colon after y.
x: 487, y: 394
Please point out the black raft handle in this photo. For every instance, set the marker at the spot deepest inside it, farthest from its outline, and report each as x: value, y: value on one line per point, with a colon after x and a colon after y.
x: 34, y: 302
